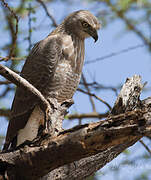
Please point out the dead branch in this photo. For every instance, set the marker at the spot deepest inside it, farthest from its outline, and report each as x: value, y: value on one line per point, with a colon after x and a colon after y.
x: 85, y: 141
x: 74, y: 144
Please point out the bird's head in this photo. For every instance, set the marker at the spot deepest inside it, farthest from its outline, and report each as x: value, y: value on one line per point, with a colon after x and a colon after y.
x: 83, y: 24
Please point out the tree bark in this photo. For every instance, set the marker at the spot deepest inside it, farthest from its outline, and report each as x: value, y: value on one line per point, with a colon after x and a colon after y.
x: 79, y: 152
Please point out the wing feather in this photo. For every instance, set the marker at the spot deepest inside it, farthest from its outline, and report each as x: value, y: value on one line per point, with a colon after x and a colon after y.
x: 38, y: 69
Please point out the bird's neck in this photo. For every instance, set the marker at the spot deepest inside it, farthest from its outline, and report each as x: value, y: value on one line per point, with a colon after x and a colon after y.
x: 78, y: 45
x: 79, y: 51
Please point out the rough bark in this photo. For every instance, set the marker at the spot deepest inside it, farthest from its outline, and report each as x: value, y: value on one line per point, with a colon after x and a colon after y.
x: 39, y: 158
x: 78, y: 152
x: 87, y: 166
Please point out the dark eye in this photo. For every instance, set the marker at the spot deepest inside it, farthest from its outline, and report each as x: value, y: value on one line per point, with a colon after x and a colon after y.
x: 85, y: 24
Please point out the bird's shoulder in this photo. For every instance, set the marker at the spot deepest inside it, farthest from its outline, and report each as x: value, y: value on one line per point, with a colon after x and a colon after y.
x: 59, y: 38
x: 48, y: 43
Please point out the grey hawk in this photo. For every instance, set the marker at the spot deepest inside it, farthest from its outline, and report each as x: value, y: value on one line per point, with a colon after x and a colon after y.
x: 54, y: 67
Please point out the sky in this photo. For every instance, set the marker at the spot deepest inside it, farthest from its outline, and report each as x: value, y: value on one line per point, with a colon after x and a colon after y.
x: 111, y: 71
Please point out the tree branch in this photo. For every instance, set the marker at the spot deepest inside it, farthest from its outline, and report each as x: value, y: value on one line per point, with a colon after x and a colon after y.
x: 54, y: 23
x: 5, y: 112
x: 40, y: 157
x: 76, y: 143
x: 88, y: 115
x: 88, y: 90
x: 14, y: 32
x: 21, y: 82
x: 93, y: 95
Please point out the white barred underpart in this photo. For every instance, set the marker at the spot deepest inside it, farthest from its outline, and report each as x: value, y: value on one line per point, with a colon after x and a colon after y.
x: 66, y: 80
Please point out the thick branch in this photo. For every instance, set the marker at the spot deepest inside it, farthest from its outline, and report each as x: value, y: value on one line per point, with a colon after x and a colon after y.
x: 74, y: 144
x: 88, y: 166
x: 41, y: 157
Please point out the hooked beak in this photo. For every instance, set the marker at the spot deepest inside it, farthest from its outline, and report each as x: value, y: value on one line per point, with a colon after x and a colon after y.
x: 93, y: 33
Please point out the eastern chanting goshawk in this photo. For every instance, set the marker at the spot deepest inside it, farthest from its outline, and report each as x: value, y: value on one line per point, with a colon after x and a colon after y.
x: 54, y: 67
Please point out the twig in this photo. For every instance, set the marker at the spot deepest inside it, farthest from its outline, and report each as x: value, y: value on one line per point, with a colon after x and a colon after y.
x: 145, y: 146
x: 6, y: 91
x: 15, y: 33
x: 29, y: 27
x: 5, y: 82
x: 88, y: 90
x: 97, y: 86
x: 5, y: 112
x: 21, y: 82
x: 12, y: 58
x: 87, y: 115
x: 98, y: 98
x: 130, y: 25
x: 115, y: 53
x: 54, y: 23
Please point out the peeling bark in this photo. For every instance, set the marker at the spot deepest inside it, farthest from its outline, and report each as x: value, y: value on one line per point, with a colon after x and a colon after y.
x: 79, y: 152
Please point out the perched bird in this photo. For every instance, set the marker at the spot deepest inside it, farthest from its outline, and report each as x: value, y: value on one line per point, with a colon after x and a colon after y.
x: 54, y: 67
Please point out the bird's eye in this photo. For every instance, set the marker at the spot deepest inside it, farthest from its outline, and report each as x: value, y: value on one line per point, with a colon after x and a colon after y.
x: 85, y: 24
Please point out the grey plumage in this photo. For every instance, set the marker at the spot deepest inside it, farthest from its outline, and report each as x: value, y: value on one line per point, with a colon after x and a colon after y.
x: 54, y: 67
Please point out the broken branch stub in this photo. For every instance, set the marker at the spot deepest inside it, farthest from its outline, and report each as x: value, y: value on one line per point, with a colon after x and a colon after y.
x: 129, y: 96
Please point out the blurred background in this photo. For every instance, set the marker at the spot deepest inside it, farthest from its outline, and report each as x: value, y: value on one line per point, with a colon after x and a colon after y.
x: 123, y: 49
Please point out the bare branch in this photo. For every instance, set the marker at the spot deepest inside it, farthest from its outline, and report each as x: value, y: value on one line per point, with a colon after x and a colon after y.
x: 76, y: 143
x: 14, y: 34
x: 85, y: 140
x: 98, y: 98
x: 130, y: 25
x: 12, y: 58
x: 87, y: 115
x: 5, y: 82
x: 98, y: 86
x: 21, y: 82
x: 115, y: 54
x: 5, y: 112
x: 87, y: 88
x: 54, y: 23
x: 29, y: 27
x: 145, y: 146
x: 87, y: 166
